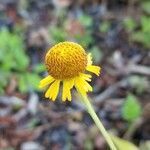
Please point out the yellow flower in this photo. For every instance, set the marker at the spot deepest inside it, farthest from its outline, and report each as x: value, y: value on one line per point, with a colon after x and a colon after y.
x: 66, y: 63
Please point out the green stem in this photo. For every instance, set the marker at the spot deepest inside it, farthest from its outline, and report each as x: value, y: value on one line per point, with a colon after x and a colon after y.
x: 98, y: 122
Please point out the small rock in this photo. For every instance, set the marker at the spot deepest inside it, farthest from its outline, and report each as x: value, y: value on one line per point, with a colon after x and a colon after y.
x: 31, y: 146
x: 33, y: 103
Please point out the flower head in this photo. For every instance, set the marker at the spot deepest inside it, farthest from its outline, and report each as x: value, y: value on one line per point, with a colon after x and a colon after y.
x: 67, y: 62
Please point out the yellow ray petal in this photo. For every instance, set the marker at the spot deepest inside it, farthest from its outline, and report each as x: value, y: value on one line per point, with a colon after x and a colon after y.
x: 89, y: 59
x: 79, y: 87
x: 47, y: 80
x: 52, y: 91
x: 82, y: 86
x: 67, y: 86
x: 94, y: 69
x: 86, y: 77
x: 88, y: 86
x: 85, y: 85
x: 66, y: 95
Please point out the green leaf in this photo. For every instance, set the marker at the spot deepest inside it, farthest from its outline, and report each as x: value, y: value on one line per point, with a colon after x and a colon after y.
x: 129, y: 24
x: 4, y: 77
x: 96, y: 54
x: 22, y: 61
x: 20, y: 58
x: 8, y: 63
x: 28, y: 81
x: 146, y: 6
x: 145, y: 23
x: 104, y: 26
x: 39, y: 68
x: 11, y: 46
x: 22, y: 84
x: 142, y: 38
x: 85, y: 20
x: 1, y: 90
x: 58, y: 34
x: 33, y: 81
x: 122, y: 144
x: 85, y: 40
x: 131, y: 109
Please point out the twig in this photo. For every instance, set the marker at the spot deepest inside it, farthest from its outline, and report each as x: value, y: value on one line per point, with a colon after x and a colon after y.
x: 109, y: 91
x: 132, y: 68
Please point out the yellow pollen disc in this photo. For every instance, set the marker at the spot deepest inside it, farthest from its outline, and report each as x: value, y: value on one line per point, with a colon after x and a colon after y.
x: 66, y: 60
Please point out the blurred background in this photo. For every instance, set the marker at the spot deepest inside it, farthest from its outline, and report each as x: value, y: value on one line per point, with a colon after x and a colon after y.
x: 116, y: 32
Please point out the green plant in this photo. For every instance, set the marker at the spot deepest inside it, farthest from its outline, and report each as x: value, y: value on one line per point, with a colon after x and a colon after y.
x: 12, y: 56
x: 14, y: 62
x: 57, y: 34
x: 129, y: 24
x: 139, y: 32
x: 85, y: 39
x: 131, y: 108
x: 85, y: 20
x: 96, y: 53
x: 146, y: 6
x: 104, y: 26
x: 143, y: 35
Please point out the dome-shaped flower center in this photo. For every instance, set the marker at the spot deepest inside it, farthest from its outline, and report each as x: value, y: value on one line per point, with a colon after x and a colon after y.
x: 65, y: 60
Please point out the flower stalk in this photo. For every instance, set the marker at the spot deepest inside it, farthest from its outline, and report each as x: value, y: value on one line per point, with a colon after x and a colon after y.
x: 98, y: 123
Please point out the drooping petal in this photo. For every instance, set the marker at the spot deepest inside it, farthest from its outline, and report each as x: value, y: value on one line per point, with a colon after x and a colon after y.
x: 89, y: 59
x: 82, y: 86
x: 87, y: 86
x: 86, y: 77
x: 94, y: 69
x: 79, y: 87
x: 52, y: 91
x: 67, y: 86
x: 46, y: 81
